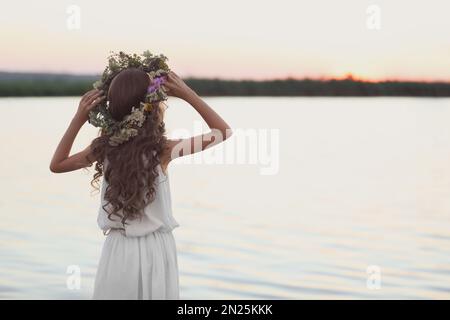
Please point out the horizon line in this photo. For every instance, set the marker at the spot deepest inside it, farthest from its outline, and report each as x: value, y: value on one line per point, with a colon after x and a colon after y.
x: 348, y: 76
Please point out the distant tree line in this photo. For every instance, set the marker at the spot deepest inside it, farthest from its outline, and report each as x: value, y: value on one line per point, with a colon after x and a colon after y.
x: 307, y: 87
x: 41, y: 84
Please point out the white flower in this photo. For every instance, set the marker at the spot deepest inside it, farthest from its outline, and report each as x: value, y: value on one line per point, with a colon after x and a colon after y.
x: 97, y: 84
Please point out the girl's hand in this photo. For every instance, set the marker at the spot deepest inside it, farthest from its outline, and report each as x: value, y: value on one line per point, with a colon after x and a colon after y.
x: 89, y: 100
x: 176, y: 87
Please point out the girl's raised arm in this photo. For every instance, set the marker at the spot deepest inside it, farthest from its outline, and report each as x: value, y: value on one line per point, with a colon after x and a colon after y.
x: 220, y: 130
x: 61, y: 161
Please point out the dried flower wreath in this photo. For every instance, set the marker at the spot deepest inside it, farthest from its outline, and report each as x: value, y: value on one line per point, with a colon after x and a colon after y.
x: 156, y: 68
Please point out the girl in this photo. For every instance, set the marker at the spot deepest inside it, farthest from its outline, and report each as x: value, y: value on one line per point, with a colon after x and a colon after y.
x: 139, y: 258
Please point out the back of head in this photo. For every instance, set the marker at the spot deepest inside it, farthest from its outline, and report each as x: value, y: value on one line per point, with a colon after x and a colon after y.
x: 132, y: 166
x: 127, y: 89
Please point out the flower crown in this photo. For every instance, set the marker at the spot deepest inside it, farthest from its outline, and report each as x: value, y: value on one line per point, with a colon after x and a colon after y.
x: 156, y: 68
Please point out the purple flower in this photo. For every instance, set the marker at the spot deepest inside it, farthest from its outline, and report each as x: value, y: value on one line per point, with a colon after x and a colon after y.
x: 156, y: 83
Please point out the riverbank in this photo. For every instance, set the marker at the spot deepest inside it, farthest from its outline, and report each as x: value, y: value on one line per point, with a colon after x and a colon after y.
x: 46, y: 84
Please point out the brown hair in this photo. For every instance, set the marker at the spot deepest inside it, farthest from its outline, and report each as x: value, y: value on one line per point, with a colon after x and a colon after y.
x: 132, y: 166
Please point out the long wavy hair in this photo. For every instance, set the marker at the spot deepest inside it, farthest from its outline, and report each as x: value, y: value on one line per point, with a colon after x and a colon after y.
x: 131, y: 170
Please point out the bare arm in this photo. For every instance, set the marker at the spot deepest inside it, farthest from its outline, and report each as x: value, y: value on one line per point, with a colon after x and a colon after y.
x: 220, y: 130
x: 61, y: 161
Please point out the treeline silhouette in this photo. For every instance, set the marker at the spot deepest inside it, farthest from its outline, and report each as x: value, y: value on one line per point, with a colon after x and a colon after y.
x: 47, y: 84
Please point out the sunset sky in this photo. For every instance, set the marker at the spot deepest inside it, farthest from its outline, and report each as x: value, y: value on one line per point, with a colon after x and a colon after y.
x: 234, y: 39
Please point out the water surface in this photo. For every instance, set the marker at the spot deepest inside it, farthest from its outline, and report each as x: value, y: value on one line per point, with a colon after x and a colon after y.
x: 361, y: 183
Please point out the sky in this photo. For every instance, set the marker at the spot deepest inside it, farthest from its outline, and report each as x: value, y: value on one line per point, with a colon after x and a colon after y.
x: 234, y: 39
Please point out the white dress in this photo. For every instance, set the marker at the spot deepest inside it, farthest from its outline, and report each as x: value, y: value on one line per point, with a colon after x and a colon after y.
x: 140, y: 261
